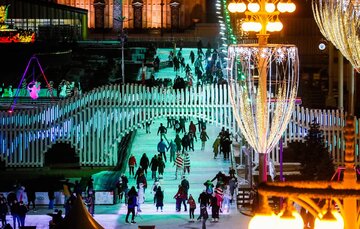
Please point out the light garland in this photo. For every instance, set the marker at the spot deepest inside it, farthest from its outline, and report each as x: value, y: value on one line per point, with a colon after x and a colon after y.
x: 339, y: 23
x: 263, y: 121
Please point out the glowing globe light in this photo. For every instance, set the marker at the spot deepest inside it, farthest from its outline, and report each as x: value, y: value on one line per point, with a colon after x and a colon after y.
x: 291, y: 7
x: 292, y: 220
x: 331, y: 220
x: 268, y: 221
x: 246, y: 26
x: 256, y: 26
x: 232, y: 7
x: 254, y: 7
x: 270, y: 27
x: 241, y: 7
x: 270, y: 7
x: 282, y: 7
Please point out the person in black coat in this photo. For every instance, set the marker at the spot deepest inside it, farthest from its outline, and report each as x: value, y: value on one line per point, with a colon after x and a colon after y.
x: 159, y: 195
x: 144, y: 163
x: 14, y: 210
x: 154, y: 166
x: 204, y: 202
x: 3, y: 211
x: 22, y: 210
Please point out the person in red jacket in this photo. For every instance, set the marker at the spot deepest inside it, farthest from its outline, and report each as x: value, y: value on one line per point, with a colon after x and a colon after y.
x: 132, y: 164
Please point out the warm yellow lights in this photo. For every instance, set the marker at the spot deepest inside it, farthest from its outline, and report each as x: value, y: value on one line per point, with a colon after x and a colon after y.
x: 270, y: 7
x: 232, y: 7
x: 262, y: 15
x: 339, y: 23
x: 291, y: 7
x: 274, y: 26
x: 268, y: 221
x: 241, y: 7
x: 248, y: 26
x: 331, y: 220
x: 283, y: 7
x: 237, y: 7
x: 254, y: 7
x: 290, y: 219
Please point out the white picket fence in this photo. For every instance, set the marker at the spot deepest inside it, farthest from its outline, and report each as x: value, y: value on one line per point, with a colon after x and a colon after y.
x: 95, y: 122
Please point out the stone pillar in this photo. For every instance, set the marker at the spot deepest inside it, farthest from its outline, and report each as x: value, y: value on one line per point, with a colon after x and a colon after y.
x: 99, y: 6
x: 137, y: 7
x: 118, y: 14
x: 175, y: 15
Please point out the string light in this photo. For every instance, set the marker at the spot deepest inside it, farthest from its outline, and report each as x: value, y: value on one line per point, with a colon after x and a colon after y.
x: 339, y: 23
x: 262, y: 122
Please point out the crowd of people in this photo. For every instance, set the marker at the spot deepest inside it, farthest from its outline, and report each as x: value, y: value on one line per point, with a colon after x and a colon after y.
x: 218, y: 192
x: 19, y: 201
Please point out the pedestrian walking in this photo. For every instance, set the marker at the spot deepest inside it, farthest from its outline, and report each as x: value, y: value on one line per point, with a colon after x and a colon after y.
x: 162, y: 148
x: 140, y: 196
x: 216, y: 146
x: 147, y: 127
x: 185, y: 184
x: 3, y: 211
x: 191, y: 141
x: 192, y: 57
x: 22, y: 210
x: 226, y: 199
x: 185, y: 143
x: 51, y: 195
x: 162, y: 131
x: 154, y: 188
x: 178, y: 143
x: 179, y: 163
x: 144, y: 163
x: 180, y: 198
x: 132, y: 164
x: 14, y: 210
x: 31, y: 198
x: 204, y: 137
x: 226, y: 145
x: 187, y: 162
x: 132, y: 199
x: 203, y: 200
x: 154, y: 166
x: 214, y: 208
x: 172, y: 147
x: 159, y: 196
x: 192, y: 207
x: 192, y: 129
x: 204, y: 214
x: 161, y: 167
x: 90, y: 202
x: 232, y: 186
x: 124, y: 187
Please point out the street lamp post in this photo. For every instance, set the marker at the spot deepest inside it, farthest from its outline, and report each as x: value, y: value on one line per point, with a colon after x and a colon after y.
x: 122, y: 38
x: 261, y: 16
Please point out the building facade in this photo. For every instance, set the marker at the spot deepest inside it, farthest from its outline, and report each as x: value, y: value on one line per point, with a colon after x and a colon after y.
x: 47, y: 18
x: 145, y: 14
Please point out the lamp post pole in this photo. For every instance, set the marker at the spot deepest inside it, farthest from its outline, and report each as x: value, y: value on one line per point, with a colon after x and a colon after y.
x: 122, y: 40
